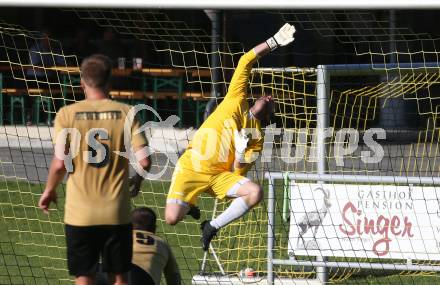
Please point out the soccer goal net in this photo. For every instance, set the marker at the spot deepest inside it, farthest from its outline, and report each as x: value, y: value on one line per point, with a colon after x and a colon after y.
x: 376, y: 119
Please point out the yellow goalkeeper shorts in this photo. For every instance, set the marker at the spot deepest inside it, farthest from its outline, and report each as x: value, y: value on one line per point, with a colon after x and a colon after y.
x: 187, y: 185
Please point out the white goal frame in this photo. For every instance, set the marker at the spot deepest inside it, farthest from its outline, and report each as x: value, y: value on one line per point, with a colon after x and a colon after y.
x: 228, y: 4
x: 323, y: 81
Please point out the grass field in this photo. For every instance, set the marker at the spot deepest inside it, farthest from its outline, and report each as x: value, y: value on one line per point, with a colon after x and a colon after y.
x: 32, y: 244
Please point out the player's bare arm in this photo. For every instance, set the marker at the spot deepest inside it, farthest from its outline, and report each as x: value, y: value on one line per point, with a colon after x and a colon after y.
x: 57, y: 171
x: 144, y: 163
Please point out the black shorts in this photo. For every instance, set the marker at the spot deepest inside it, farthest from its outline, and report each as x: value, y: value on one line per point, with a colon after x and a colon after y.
x: 138, y: 276
x: 85, y: 245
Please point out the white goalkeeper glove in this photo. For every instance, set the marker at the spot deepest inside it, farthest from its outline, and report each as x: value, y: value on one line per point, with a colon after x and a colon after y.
x: 241, y: 141
x: 283, y: 37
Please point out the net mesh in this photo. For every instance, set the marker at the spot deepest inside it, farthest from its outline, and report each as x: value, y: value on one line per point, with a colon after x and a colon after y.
x: 32, y: 249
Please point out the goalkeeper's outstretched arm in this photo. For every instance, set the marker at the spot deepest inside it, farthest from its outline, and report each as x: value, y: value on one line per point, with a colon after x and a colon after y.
x: 238, y: 86
x: 282, y: 38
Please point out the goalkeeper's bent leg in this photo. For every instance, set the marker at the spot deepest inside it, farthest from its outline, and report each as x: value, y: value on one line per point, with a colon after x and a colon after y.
x: 248, y: 195
x: 175, y: 211
x: 251, y: 193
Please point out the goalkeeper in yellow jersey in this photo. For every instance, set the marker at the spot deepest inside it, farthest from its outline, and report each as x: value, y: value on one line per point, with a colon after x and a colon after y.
x: 223, y: 150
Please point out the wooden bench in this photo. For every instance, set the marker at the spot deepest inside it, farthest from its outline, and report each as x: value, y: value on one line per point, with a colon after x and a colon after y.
x: 126, y: 94
x: 30, y: 91
x: 168, y: 83
x: 198, y: 73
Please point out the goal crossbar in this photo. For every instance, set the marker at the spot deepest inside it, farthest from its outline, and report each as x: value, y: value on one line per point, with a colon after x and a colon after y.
x: 361, y: 69
x: 229, y: 4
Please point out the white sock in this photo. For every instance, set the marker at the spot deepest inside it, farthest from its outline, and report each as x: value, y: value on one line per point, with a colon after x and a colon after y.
x: 237, y: 209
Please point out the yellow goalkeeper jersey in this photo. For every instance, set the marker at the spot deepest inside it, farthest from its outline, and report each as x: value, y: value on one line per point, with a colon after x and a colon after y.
x: 212, y: 149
